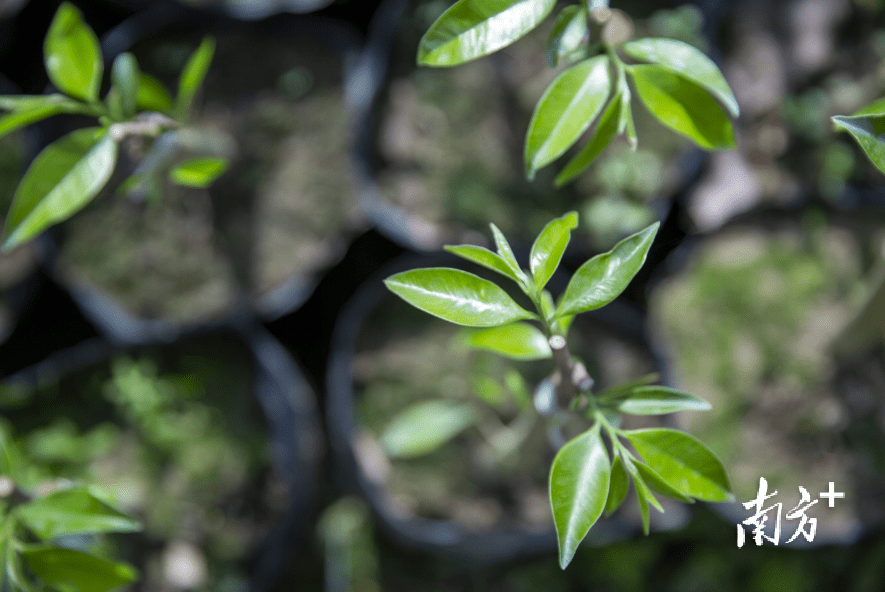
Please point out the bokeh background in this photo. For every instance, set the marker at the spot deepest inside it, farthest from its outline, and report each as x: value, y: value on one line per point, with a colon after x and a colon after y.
x: 224, y: 363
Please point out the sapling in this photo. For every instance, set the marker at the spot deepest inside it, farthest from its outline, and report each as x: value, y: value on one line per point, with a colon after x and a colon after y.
x: 587, y: 477
x: 137, y: 112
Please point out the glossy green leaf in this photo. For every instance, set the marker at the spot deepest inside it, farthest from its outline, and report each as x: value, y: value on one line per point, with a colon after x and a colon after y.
x: 621, y: 389
x: 28, y: 109
x: 470, y: 29
x: 484, y: 257
x: 424, y: 427
x: 569, y: 36
x: 519, y: 341
x: 126, y: 76
x: 456, y: 296
x: 152, y: 95
x: 61, y: 180
x: 23, y: 117
x: 86, y: 573
x: 683, y: 106
x: 625, y: 119
x: 684, y: 462
x: 605, y: 132
x: 199, y: 172
x: 877, y: 107
x: 868, y: 131
x: 579, y: 484
x: 506, y: 252
x: 619, y: 485
x: 73, y: 511
x: 549, y: 246
x: 565, y: 111
x: 72, y: 54
x: 686, y: 60
x: 603, y: 278
x: 657, y: 483
x: 654, y: 400
x: 192, y: 76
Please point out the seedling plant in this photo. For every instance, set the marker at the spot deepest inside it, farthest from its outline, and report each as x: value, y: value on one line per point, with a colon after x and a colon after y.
x: 587, y: 477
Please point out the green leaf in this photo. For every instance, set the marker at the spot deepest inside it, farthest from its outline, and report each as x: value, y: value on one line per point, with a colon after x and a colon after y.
x: 126, y: 77
x: 470, y: 29
x: 579, y: 485
x: 86, y: 573
x: 506, y: 253
x: 73, y: 511
x: 565, y: 111
x: 549, y: 246
x: 424, y: 427
x: 683, y: 106
x: 199, y: 172
x: 688, y: 61
x: 657, y: 483
x: 72, y: 54
x: 625, y: 120
x: 569, y: 36
x: 654, y: 400
x: 63, y: 178
x: 192, y: 76
x: 605, y: 132
x: 603, y: 278
x: 618, y: 486
x: 644, y: 497
x: 456, y: 296
x: 868, y: 131
x: 519, y: 341
x: 28, y: 109
x: 152, y: 95
x: 684, y: 462
x: 484, y: 257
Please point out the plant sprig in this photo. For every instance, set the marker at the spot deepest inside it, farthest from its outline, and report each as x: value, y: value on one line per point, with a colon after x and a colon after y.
x: 584, y: 481
x: 676, y: 82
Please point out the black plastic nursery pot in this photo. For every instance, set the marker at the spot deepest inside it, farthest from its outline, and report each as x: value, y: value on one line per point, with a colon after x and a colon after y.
x: 266, y: 229
x: 483, y: 495
x: 211, y: 442
x: 748, y: 316
x: 441, y: 151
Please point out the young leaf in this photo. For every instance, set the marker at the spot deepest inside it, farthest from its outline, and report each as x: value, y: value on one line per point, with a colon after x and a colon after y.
x: 654, y: 400
x: 603, y: 278
x: 606, y: 130
x: 73, y: 511
x: 683, y: 106
x: 61, y: 180
x: 152, y: 95
x: 192, y: 76
x: 618, y: 486
x: 456, y: 296
x: 198, y: 172
x: 625, y: 120
x: 86, y: 573
x: 28, y: 109
x: 867, y: 130
x: 126, y: 77
x: 644, y: 496
x: 72, y: 54
x: 506, y: 253
x: 877, y: 107
x: 565, y: 111
x: 424, y: 427
x: 22, y: 117
x: 549, y: 246
x: 656, y: 482
x: 686, y: 60
x: 569, y: 35
x: 579, y: 485
x: 519, y: 341
x: 485, y: 258
x: 470, y: 29
x: 684, y: 462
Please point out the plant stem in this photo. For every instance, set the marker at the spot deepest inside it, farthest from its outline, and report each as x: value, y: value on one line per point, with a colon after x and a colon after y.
x: 573, y: 378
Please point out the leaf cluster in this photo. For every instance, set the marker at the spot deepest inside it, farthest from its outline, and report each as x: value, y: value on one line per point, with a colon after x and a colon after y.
x: 34, y: 556
x: 585, y: 480
x: 70, y: 172
x: 676, y: 82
